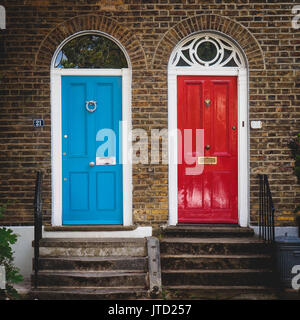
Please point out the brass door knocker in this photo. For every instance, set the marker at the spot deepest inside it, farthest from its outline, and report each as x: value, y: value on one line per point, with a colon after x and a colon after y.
x: 207, y: 102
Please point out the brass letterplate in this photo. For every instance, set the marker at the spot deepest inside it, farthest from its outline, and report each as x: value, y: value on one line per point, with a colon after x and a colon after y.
x: 207, y: 160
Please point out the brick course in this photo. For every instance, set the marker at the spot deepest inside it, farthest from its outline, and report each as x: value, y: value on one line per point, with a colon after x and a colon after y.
x: 149, y: 30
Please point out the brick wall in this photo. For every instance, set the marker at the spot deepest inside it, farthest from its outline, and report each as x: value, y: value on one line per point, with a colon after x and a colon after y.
x: 148, y: 30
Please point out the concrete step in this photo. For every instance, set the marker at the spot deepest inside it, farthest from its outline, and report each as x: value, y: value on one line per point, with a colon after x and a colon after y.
x: 217, y: 262
x: 95, y: 247
x: 92, y: 279
x: 204, y: 231
x: 213, y: 292
x: 94, y: 263
x: 240, y: 277
x: 79, y: 293
x: 223, y: 246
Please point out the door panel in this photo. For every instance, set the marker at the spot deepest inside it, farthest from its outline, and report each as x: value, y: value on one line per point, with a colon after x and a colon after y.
x: 220, y: 119
x: 79, y: 201
x: 91, y: 194
x: 208, y: 103
x: 77, y: 124
x: 106, y: 190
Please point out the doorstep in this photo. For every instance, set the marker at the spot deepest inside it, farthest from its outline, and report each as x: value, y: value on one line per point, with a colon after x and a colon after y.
x: 89, y: 228
x: 107, y: 231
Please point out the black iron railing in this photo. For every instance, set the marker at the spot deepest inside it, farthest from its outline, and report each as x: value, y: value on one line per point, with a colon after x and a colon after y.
x: 37, y: 224
x: 266, y: 210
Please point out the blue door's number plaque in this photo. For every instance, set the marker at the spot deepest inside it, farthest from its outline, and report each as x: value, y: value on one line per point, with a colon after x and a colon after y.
x: 37, y: 123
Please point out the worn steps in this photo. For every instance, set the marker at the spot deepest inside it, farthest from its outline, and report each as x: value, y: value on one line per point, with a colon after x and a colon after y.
x: 207, y: 231
x: 215, y: 263
x: 244, y: 277
x: 100, y: 268
x: 80, y: 293
x: 102, y: 247
x: 212, y: 245
x: 214, y: 292
x: 93, y: 263
x: 92, y: 279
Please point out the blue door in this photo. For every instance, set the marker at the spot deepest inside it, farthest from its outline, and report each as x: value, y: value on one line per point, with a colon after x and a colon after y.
x: 91, y: 165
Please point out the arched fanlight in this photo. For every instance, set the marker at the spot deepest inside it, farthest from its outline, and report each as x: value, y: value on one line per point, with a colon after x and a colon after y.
x: 90, y: 51
x: 207, y: 50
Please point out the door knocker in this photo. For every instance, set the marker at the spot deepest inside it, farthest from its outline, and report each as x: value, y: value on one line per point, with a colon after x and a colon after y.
x: 207, y: 102
x: 91, y: 103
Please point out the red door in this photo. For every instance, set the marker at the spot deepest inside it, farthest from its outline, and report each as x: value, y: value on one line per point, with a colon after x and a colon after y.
x: 208, y: 103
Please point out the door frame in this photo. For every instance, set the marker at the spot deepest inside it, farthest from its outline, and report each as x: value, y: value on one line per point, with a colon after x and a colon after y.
x: 243, y: 136
x: 56, y: 137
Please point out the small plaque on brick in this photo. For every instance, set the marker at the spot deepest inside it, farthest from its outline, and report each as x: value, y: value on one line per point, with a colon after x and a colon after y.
x: 38, y: 123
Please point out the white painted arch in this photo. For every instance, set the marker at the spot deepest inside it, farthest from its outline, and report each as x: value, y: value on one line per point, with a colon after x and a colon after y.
x: 56, y: 134
x: 243, y: 123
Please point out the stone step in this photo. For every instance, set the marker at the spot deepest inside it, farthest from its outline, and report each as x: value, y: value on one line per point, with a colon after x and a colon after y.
x: 94, y: 247
x: 240, y: 277
x: 94, y: 263
x: 92, y: 279
x: 204, y: 231
x: 79, y: 293
x: 212, y: 292
x: 217, y: 262
x: 223, y: 246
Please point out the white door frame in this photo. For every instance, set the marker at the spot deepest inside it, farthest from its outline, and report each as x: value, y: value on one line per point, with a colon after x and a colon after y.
x: 56, y: 137
x: 243, y: 134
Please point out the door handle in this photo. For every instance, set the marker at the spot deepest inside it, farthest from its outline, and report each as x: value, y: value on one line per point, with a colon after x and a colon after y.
x: 207, y: 147
x: 92, y: 164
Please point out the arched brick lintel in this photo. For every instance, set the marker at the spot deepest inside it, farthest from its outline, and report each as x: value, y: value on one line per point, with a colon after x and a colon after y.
x: 91, y: 23
x: 226, y: 26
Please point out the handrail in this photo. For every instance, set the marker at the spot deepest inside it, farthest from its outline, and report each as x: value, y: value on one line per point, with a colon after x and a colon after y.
x: 37, y: 223
x: 266, y: 210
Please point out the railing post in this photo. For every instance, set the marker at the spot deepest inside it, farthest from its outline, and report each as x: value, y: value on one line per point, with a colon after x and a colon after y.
x: 264, y: 207
x: 266, y: 210
x: 260, y: 206
x: 37, y: 224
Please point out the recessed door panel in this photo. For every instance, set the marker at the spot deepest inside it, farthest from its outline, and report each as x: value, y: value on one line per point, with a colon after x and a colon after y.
x: 106, y: 190
x: 79, y: 199
x: 220, y: 118
x: 77, y: 124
